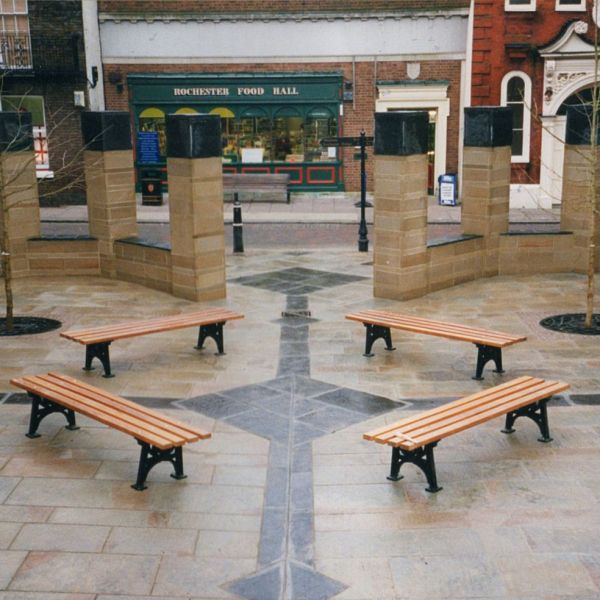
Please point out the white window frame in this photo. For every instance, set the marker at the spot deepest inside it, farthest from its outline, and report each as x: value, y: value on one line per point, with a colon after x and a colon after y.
x: 508, y: 7
x: 524, y: 157
x: 570, y: 7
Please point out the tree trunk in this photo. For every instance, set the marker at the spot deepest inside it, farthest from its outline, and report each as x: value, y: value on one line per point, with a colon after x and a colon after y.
x: 589, y: 310
x: 5, y: 252
x: 8, y: 291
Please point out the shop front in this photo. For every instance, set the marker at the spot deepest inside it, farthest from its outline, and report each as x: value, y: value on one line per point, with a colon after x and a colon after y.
x: 271, y: 123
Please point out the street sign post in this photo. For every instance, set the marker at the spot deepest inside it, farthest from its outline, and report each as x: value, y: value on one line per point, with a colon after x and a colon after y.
x: 361, y: 141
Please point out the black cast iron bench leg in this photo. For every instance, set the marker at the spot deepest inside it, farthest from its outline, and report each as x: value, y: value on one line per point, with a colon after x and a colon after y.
x: 150, y: 456
x: 537, y: 412
x: 484, y: 355
x: 420, y: 457
x: 41, y: 408
x: 214, y: 331
x: 99, y: 351
x: 374, y: 332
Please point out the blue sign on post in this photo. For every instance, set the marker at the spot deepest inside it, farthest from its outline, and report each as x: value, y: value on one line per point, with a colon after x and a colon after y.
x: 148, y: 149
x: 447, y: 190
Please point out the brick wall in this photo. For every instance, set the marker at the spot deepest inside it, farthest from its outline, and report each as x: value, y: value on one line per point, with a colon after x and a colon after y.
x: 58, y: 69
x: 356, y: 116
x: 493, y: 28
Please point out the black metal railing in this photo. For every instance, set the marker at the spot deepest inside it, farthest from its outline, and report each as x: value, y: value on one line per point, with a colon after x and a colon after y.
x: 15, y: 51
x: 44, y: 56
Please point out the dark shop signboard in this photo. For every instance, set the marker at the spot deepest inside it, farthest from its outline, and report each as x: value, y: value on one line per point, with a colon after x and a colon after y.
x: 236, y: 89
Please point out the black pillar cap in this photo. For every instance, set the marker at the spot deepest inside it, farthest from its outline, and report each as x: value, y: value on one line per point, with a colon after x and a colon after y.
x: 15, y: 131
x: 106, y: 130
x: 488, y: 126
x: 401, y: 133
x: 194, y: 136
x: 579, y: 125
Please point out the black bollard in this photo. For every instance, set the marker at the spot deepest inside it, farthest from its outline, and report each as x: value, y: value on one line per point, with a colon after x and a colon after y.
x: 238, y: 232
x: 363, y: 240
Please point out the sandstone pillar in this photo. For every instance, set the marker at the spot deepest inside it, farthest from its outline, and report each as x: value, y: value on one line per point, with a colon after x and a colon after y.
x: 400, y: 214
x: 195, y: 167
x: 110, y: 181
x: 581, y: 185
x: 486, y: 178
x: 20, y: 214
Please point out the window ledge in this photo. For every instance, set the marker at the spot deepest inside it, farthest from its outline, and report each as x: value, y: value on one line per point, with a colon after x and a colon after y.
x: 44, y: 174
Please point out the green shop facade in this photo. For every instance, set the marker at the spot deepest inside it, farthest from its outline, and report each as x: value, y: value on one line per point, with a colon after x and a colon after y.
x: 271, y: 123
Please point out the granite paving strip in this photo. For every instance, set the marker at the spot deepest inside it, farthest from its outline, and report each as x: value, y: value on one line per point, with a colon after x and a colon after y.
x: 291, y: 411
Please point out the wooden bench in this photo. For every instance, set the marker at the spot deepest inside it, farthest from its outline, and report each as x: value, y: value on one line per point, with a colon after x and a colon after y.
x: 98, y: 339
x: 414, y: 438
x: 161, y: 439
x: 261, y: 183
x: 489, y: 343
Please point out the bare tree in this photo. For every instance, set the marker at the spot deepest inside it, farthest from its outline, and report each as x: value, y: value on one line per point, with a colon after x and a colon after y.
x: 16, y: 187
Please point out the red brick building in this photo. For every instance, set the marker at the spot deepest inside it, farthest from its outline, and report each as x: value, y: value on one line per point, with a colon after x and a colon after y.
x: 536, y: 55
x: 42, y: 65
x: 284, y: 74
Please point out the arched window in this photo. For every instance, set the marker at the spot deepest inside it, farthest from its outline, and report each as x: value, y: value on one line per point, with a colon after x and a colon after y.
x: 516, y: 93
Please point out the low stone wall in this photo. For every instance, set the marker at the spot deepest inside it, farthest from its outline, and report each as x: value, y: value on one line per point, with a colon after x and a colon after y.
x: 529, y: 253
x: 454, y: 261
x: 62, y: 256
x: 145, y: 263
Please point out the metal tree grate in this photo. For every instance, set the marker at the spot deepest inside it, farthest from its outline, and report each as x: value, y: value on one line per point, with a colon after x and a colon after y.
x: 572, y: 323
x: 28, y: 326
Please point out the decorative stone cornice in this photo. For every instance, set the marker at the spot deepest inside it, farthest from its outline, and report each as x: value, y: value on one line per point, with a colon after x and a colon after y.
x: 281, y: 17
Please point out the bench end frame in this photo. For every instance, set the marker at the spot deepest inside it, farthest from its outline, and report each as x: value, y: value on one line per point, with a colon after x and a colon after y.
x: 484, y: 355
x: 420, y: 457
x: 375, y: 332
x: 214, y: 331
x: 101, y: 352
x: 537, y: 412
x: 150, y: 456
x: 41, y: 408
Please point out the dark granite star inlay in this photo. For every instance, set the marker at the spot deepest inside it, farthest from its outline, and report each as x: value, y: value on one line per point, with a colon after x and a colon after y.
x: 296, y: 280
x: 291, y: 411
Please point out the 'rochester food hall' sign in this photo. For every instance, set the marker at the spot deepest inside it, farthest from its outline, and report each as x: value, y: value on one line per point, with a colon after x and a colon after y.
x: 239, y: 91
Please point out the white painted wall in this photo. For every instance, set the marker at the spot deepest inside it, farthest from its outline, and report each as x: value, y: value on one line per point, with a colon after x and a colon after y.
x: 300, y: 40
x: 93, y: 53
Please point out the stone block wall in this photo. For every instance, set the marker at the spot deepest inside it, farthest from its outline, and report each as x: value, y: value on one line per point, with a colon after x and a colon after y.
x: 22, y: 219
x: 149, y: 266
x: 526, y: 254
x: 47, y: 256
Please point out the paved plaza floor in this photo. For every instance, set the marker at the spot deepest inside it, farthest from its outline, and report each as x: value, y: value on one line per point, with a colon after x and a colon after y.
x: 286, y: 501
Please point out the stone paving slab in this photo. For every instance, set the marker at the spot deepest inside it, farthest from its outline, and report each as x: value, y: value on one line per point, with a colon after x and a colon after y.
x: 286, y: 500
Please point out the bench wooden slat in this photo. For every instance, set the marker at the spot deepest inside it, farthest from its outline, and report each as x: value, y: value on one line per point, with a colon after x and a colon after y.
x: 442, y: 410
x: 161, y: 324
x: 436, y: 328
x: 438, y: 431
x: 257, y: 182
x: 108, y: 414
x: 140, y: 410
x: 101, y: 417
x: 432, y: 426
x: 137, y: 327
x: 429, y: 326
x: 459, y: 408
x: 110, y: 410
